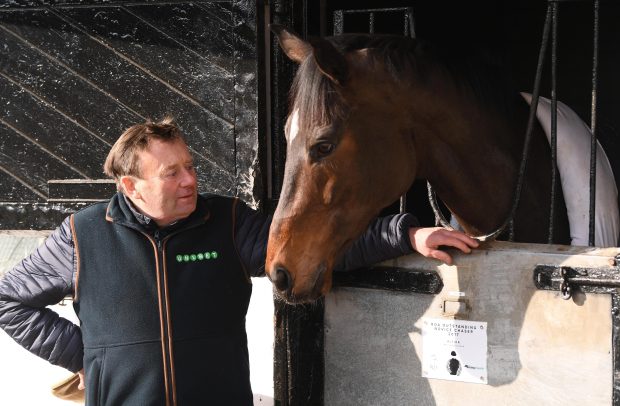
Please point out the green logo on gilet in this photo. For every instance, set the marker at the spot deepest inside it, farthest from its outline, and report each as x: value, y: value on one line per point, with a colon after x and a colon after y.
x: 200, y: 256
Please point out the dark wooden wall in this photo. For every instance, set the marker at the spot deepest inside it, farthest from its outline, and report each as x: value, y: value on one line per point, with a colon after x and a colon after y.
x: 75, y: 73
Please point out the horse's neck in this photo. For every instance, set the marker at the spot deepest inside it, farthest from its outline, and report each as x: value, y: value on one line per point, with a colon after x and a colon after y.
x: 472, y: 162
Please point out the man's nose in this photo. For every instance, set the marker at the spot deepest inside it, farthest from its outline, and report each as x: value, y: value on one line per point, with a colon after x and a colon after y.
x: 189, y: 177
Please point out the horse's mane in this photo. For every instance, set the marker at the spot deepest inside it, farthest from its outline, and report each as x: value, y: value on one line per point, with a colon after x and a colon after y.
x: 479, y: 75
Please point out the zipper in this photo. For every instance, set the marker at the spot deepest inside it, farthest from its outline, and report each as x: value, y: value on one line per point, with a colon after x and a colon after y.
x: 158, y: 241
x: 170, y: 390
x: 159, y: 244
x: 165, y: 310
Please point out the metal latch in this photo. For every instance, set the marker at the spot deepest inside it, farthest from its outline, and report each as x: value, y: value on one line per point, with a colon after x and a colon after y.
x: 567, y: 279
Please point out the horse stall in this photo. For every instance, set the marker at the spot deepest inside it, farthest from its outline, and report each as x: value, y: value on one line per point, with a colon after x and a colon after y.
x: 513, y: 322
x: 73, y: 76
x: 528, y: 323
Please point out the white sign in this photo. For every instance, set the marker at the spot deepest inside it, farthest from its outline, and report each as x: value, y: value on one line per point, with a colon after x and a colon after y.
x: 455, y: 350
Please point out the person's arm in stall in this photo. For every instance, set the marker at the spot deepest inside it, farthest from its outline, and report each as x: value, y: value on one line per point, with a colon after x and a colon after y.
x: 393, y: 236
x: 251, y: 235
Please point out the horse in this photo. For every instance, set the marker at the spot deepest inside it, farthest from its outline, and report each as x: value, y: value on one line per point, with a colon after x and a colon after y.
x: 369, y: 114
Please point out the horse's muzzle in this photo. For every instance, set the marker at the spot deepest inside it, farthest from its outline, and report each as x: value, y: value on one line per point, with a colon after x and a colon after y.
x: 296, y: 294
x: 281, y: 279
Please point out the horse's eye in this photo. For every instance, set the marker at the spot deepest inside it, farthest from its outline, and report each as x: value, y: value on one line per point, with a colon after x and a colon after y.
x: 322, y: 149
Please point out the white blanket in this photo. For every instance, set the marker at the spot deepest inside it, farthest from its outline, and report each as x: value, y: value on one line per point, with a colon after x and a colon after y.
x: 573, y: 141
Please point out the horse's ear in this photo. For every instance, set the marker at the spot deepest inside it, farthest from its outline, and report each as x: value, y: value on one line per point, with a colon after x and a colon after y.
x: 294, y: 47
x: 329, y: 60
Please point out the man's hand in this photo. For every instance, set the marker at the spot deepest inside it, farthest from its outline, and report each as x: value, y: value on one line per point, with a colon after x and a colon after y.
x: 82, y: 384
x: 426, y: 241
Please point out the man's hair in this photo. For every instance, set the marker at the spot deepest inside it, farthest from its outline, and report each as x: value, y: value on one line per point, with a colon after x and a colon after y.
x: 123, y: 157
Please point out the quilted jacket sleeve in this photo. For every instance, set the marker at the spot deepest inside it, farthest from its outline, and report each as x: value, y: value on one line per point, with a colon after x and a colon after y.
x: 251, y: 235
x: 385, y: 238
x: 43, y: 278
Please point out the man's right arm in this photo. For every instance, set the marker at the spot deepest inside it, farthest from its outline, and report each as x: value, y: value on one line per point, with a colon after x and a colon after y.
x: 43, y: 278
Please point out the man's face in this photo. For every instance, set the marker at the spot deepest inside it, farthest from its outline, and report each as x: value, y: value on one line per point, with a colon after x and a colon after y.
x: 166, y: 189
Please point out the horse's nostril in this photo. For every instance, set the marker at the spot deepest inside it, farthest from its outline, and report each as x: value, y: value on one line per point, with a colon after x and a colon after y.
x: 281, y: 278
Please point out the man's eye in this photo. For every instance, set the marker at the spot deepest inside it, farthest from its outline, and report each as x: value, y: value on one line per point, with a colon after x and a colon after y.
x: 171, y: 174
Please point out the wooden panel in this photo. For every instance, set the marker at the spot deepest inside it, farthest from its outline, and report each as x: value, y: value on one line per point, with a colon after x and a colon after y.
x: 23, y: 160
x: 65, y: 141
x: 33, y: 71
x: 75, y: 73
x: 64, y: 41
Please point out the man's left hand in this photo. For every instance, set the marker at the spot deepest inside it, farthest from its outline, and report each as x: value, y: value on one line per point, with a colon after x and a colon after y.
x: 426, y: 240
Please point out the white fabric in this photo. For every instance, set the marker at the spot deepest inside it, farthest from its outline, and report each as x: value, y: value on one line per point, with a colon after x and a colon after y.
x: 573, y: 142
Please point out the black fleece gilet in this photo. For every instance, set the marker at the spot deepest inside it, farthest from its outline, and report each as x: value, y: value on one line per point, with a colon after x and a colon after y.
x: 162, y: 311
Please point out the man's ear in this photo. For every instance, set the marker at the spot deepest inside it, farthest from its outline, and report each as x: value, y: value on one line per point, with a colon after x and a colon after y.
x: 293, y: 46
x: 128, y: 186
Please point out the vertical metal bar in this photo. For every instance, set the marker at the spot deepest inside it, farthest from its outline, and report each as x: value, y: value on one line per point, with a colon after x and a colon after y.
x: 530, y: 121
x: 554, y: 118
x: 403, y: 203
x: 593, y: 125
x: 267, y: 102
x: 304, y: 10
x: 371, y: 22
x: 322, y: 17
x: 411, y: 22
x: 406, y: 25
x: 408, y: 30
x: 615, y: 334
x: 338, y: 22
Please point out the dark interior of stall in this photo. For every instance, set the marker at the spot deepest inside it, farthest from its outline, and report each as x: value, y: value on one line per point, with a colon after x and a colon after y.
x: 511, y: 33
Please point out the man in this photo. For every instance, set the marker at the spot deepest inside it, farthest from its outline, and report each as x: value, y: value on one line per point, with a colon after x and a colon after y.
x: 161, y: 281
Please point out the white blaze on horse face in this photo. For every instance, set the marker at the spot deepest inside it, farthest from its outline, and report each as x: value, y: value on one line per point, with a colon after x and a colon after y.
x: 294, y: 127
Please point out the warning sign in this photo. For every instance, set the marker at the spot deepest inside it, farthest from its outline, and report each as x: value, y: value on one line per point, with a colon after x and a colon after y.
x: 455, y: 350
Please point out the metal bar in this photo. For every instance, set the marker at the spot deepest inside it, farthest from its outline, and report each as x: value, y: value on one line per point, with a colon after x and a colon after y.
x: 338, y: 22
x: 370, y: 10
x: 393, y: 279
x: 406, y: 25
x: 593, y: 125
x: 615, y: 340
x: 371, y: 22
x: 585, y: 281
x: 409, y: 17
x: 407, y: 31
x: 554, y: 119
x: 531, y: 118
x: 549, y: 277
x: 594, y: 282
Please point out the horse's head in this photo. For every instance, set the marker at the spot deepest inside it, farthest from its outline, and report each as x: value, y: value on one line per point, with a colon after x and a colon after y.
x: 349, y: 154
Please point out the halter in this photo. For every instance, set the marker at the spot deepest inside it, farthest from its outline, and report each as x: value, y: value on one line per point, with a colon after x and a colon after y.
x: 439, y: 217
